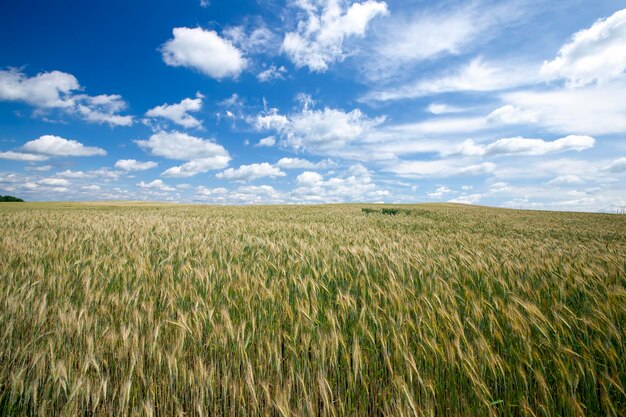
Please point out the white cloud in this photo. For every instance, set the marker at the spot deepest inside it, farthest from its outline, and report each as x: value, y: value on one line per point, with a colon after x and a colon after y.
x: 298, y: 163
x: 271, y: 120
x: 257, y: 39
x: 566, y: 180
x: 179, y: 112
x: 319, y: 131
x: 439, y: 168
x: 318, y: 40
x: 205, y: 192
x: 476, y: 76
x: 466, y: 199
x: 134, y: 165
x: 542, y: 169
x: 593, y: 55
x: 181, y: 146
x: 619, y: 165
x: 92, y: 187
x: 103, y: 109
x: 594, y: 109
x: 439, y: 192
x: 60, y: 189
x: 103, y: 174
x: 54, y: 181
x: 430, y: 32
x: 426, y: 35
x: 202, y: 154
x: 355, y: 184
x: 524, y: 146
x: 56, y: 90
x: 57, y: 146
x: 441, y: 108
x: 267, y: 142
x: 22, y: 156
x: 72, y: 174
x: 197, y: 166
x: 309, y: 178
x: 272, y: 73
x: 205, y: 51
x: 46, y: 90
x: 253, y: 194
x: 155, y: 185
x: 511, y: 115
x: 246, y: 173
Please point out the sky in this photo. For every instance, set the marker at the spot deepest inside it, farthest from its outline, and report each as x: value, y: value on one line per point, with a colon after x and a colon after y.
x: 512, y: 103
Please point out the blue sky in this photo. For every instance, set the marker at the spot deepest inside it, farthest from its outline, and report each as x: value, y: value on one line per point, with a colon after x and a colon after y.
x: 517, y: 103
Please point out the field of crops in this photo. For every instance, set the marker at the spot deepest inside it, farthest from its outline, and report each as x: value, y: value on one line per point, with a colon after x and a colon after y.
x: 443, y: 310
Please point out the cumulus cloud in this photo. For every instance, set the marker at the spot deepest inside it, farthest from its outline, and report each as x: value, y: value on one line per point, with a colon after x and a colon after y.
x: 134, y: 165
x: 246, y: 173
x: 319, y: 131
x: 299, y: 163
x: 318, y: 40
x: 155, y: 185
x: 179, y: 145
x: 22, y: 156
x: 46, y: 90
x: 92, y: 187
x: 525, y: 146
x: 355, y: 184
x: 54, y: 181
x: 466, y: 199
x: 267, y: 142
x: 197, y: 166
x: 271, y: 119
x: 57, y: 146
x: 596, y: 54
x: 68, y: 173
x: 253, y: 194
x: 439, y: 192
x: 205, y: 51
x: 202, y: 154
x: 103, y: 109
x: 205, y: 191
x: 309, y: 178
x: 179, y: 112
x: 57, y: 90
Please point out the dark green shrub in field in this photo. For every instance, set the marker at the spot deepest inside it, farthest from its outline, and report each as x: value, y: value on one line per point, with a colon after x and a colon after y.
x: 395, y: 211
x: 388, y: 211
x: 391, y: 211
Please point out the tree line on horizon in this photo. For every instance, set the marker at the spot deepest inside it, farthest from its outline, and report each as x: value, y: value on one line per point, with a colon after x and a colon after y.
x: 10, y: 199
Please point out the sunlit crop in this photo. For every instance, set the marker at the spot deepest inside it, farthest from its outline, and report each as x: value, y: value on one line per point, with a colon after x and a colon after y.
x: 443, y: 310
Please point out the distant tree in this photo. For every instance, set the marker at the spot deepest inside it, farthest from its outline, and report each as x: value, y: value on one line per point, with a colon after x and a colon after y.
x: 10, y: 198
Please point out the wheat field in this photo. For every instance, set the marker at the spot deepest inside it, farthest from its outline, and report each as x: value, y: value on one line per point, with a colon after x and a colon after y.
x: 440, y: 310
